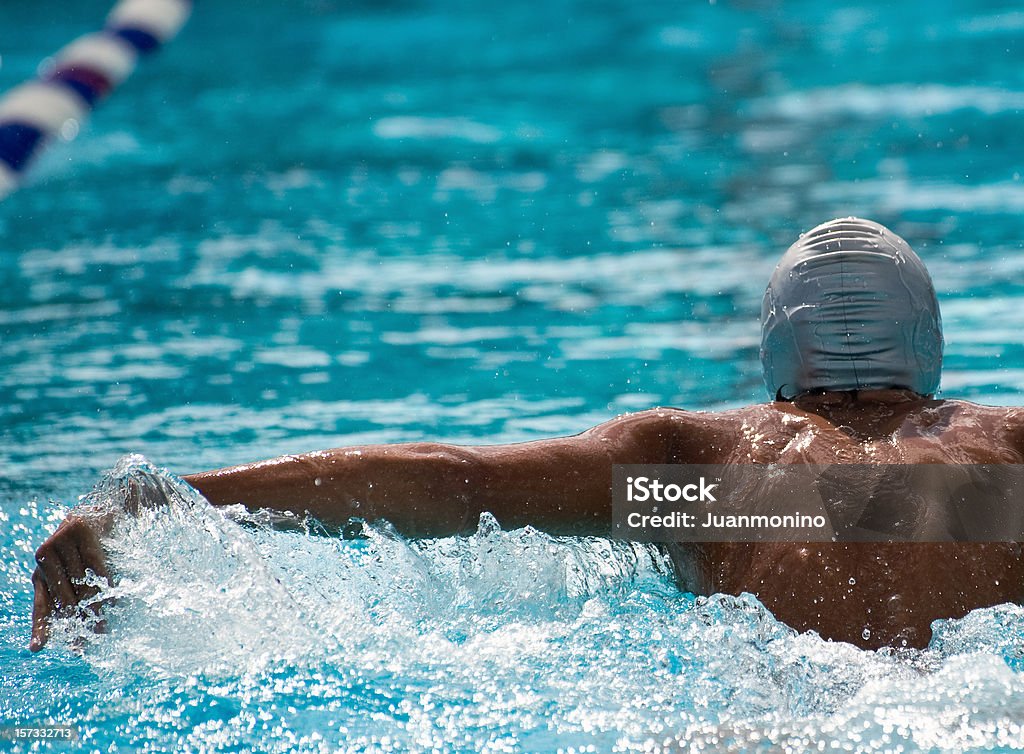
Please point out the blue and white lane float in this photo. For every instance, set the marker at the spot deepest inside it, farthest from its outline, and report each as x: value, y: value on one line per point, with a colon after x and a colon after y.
x: 57, y: 101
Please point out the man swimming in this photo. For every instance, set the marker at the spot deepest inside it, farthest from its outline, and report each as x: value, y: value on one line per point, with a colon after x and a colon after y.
x: 851, y: 350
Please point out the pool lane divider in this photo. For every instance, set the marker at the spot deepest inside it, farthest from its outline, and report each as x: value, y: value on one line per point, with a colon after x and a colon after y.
x: 69, y: 86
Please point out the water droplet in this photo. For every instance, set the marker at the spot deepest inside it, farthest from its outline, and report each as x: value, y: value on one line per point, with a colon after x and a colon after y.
x: 69, y: 129
x: 318, y: 481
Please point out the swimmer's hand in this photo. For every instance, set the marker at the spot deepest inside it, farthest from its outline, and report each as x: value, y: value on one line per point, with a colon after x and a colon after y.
x: 71, y: 564
x: 61, y: 579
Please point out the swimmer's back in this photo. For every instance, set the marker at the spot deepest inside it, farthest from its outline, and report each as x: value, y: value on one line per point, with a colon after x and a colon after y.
x: 869, y: 594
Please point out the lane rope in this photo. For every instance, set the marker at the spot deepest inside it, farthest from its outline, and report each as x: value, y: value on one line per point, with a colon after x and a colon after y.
x: 57, y: 101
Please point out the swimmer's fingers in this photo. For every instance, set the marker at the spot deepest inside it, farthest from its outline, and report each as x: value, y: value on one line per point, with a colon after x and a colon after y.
x: 93, y: 557
x: 42, y: 608
x: 91, y: 571
x: 82, y: 572
x: 62, y: 594
x: 74, y: 570
x: 61, y: 578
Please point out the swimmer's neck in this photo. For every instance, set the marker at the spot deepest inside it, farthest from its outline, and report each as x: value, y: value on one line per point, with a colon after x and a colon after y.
x: 851, y: 404
x: 886, y: 397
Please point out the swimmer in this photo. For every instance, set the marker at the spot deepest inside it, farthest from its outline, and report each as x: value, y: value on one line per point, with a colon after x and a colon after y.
x: 851, y: 352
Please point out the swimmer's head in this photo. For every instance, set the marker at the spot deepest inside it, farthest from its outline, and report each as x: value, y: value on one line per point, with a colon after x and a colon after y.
x: 850, y: 307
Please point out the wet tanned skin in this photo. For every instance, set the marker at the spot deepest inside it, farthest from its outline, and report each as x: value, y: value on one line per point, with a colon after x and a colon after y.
x: 868, y: 594
x: 563, y: 486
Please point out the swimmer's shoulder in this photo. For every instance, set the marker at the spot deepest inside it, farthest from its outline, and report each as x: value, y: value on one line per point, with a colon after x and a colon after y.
x: 1005, y: 423
x: 960, y: 413
x: 684, y: 436
x: 971, y: 432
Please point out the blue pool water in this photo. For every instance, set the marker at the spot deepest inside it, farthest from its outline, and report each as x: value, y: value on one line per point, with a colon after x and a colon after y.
x: 312, y: 224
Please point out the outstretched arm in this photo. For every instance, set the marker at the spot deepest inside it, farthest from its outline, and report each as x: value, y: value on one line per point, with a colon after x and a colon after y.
x: 562, y: 486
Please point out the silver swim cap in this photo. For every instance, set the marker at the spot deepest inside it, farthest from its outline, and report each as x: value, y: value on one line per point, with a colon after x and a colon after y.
x: 850, y: 307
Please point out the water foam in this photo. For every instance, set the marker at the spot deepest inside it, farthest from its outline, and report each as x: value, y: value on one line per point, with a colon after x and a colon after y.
x: 227, y: 627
